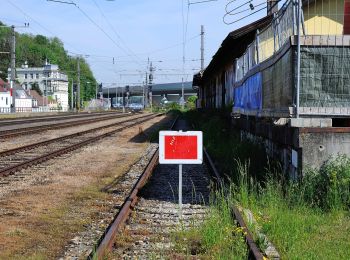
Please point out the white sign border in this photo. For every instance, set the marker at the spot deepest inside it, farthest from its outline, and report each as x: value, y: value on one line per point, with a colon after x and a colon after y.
x: 199, y: 159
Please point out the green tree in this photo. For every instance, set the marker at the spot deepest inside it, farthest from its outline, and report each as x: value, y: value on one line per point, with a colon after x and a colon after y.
x: 35, y: 49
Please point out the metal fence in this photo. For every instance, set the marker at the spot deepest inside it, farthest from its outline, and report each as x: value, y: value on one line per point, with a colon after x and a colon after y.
x: 269, y: 40
x: 324, y: 73
x: 320, y: 69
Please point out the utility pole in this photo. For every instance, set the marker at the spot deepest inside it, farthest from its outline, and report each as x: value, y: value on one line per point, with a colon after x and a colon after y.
x: 108, y: 98
x: 96, y: 91
x: 146, y: 90
x: 116, y: 96
x: 143, y: 94
x: 13, y: 67
x: 123, y: 99
x: 151, y: 70
x: 202, y: 47
x: 72, y: 95
x: 78, y: 84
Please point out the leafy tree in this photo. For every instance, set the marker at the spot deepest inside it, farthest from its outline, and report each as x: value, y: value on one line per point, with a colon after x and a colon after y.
x: 35, y: 49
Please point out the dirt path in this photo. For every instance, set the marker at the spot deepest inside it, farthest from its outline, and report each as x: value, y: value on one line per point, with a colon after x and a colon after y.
x: 42, y: 210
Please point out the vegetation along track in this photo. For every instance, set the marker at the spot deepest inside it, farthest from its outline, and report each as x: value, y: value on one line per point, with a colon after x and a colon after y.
x: 16, y: 159
x: 39, y: 128
x: 155, y: 211
x: 149, y: 213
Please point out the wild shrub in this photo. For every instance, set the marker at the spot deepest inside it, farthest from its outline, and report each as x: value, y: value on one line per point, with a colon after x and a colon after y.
x: 329, y: 187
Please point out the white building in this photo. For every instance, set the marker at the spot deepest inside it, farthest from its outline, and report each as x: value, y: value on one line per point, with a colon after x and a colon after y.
x: 50, y: 80
x: 5, y: 100
x: 23, y: 102
x: 5, y: 97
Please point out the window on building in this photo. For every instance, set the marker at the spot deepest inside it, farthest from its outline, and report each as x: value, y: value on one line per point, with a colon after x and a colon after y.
x: 7, y: 100
x: 31, y: 76
x: 37, y: 75
x: 26, y: 76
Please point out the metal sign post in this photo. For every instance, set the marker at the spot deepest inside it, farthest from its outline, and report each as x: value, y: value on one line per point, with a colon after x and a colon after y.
x: 177, y: 147
x: 180, y: 191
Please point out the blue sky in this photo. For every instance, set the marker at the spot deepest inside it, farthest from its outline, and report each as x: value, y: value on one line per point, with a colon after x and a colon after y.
x: 136, y: 29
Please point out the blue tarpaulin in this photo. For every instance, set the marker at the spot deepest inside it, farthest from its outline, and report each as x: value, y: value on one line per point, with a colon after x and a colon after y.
x: 249, y: 94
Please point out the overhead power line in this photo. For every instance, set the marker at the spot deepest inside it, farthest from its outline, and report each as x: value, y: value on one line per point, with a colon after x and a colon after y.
x: 36, y: 22
x: 114, y: 30
x: 252, y: 8
x: 97, y: 25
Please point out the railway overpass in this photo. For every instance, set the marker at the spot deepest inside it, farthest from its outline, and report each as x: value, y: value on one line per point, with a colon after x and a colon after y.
x: 172, y: 92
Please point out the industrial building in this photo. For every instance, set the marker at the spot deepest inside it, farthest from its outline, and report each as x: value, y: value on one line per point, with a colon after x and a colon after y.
x: 289, y: 91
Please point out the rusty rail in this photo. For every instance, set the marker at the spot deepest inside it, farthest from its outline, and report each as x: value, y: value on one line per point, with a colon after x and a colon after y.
x: 36, y: 129
x: 32, y: 146
x: 254, y: 251
x: 106, y: 242
x: 9, y: 170
x: 47, y: 118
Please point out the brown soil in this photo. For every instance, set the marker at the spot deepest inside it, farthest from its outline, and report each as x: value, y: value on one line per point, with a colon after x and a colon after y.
x: 40, y: 216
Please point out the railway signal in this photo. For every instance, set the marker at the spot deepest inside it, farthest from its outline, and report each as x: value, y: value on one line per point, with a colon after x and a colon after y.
x: 177, y: 147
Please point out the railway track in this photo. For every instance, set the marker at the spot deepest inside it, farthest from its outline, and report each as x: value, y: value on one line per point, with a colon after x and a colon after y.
x: 4, y: 134
x: 25, y: 120
x: 149, y: 213
x: 14, y: 160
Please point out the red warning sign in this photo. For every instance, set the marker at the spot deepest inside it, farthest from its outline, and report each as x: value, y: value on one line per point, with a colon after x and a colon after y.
x: 180, y: 147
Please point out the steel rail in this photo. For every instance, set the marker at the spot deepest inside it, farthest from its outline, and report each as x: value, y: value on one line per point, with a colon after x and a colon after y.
x: 105, y: 244
x: 32, y: 146
x: 12, y: 169
x: 254, y: 251
x: 36, y: 129
x: 107, y: 241
x: 25, y: 120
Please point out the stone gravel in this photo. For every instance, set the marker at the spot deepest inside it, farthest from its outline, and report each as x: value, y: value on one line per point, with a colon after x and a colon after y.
x: 156, y: 216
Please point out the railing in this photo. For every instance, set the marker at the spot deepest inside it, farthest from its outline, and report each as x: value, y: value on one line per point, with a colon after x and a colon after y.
x: 8, y: 110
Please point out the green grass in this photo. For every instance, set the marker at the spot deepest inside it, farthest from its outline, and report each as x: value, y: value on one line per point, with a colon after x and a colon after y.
x: 306, y: 220
x: 218, y: 237
x: 298, y: 230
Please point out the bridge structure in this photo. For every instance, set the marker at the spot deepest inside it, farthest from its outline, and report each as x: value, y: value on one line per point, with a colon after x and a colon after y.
x: 140, y: 94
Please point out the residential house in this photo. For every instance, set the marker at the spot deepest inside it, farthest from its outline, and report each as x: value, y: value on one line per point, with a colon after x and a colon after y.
x: 51, y: 81
x: 23, y: 102
x: 41, y: 103
x: 5, y: 97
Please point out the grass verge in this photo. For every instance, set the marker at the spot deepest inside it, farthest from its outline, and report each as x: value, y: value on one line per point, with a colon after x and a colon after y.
x: 307, y: 220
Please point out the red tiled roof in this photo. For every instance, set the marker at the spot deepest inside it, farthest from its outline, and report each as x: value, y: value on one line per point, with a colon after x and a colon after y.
x: 2, y: 89
x: 3, y: 83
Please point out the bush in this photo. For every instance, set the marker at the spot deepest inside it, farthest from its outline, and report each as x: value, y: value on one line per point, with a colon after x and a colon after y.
x: 329, y: 188
x: 191, y: 102
x: 173, y: 106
